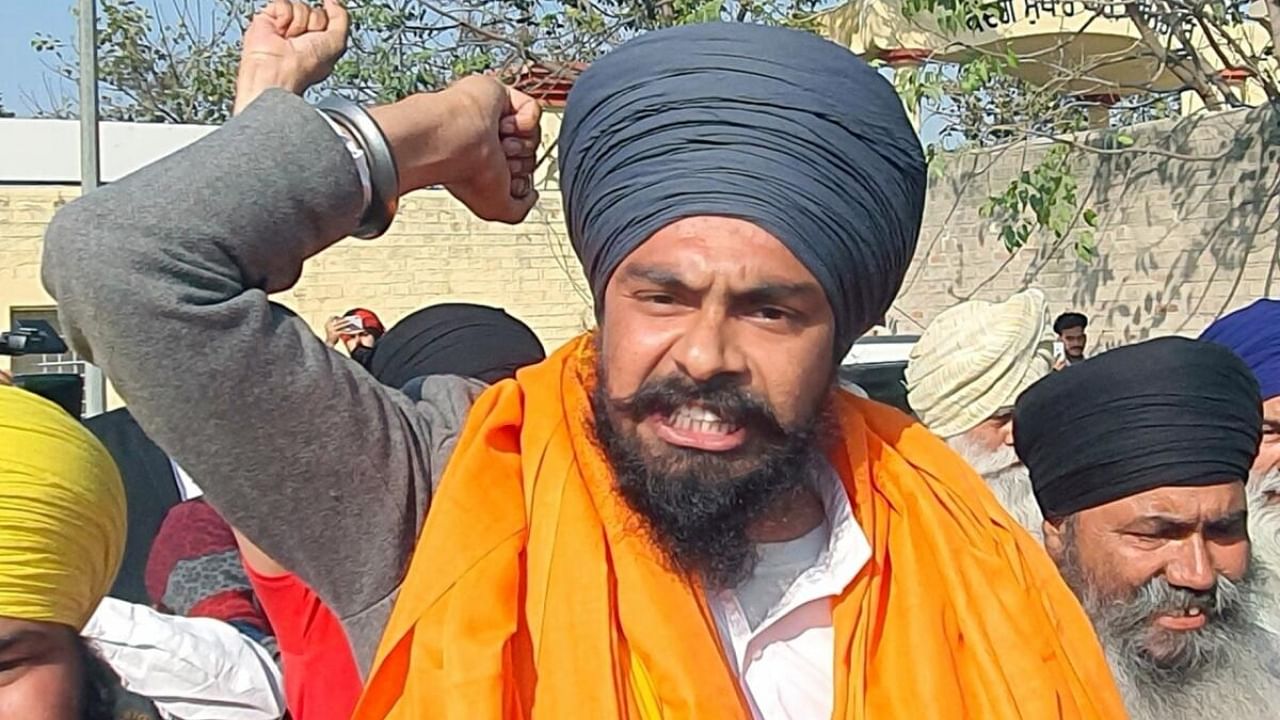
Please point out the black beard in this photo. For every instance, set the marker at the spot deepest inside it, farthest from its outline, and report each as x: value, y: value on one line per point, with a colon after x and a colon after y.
x: 698, y: 506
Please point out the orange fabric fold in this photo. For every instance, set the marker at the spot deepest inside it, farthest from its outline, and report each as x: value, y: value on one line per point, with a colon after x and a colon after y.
x: 533, y: 593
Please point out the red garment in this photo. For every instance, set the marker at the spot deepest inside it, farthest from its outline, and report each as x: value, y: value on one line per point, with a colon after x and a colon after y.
x: 194, y: 570
x: 321, y: 681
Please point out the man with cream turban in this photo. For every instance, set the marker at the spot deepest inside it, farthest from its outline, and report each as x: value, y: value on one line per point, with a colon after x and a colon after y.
x: 62, y: 528
x: 963, y: 376
x: 1138, y: 460
x: 678, y: 516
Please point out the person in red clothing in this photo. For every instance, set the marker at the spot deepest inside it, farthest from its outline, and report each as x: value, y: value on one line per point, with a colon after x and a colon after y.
x: 194, y: 570
x: 359, y: 331
x: 321, y: 681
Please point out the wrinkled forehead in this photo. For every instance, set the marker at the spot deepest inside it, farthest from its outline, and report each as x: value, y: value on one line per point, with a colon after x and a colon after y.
x: 706, y: 250
x: 1183, y: 504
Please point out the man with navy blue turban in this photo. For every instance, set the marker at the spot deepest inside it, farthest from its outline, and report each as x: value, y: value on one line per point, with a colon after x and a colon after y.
x: 676, y: 516
x: 1253, y: 333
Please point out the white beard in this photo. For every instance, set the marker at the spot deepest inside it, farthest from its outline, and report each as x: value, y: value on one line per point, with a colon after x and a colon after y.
x: 1243, y: 685
x: 1264, y: 535
x: 1264, y: 519
x: 1227, y: 670
x: 1008, y: 479
x: 1241, y: 682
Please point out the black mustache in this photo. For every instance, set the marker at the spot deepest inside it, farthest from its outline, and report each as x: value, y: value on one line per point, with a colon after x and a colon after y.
x: 730, y: 402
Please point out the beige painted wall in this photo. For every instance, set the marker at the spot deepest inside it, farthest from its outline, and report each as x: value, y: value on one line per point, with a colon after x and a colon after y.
x: 1188, y: 231
x: 437, y: 252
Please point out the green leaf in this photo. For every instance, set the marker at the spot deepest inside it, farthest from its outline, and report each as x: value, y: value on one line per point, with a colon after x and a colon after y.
x: 1124, y: 140
x: 1090, y: 217
x: 1009, y: 238
x: 706, y: 12
x: 1086, y: 246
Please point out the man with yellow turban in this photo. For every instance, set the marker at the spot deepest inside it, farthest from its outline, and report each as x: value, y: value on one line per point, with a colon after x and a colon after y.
x: 62, y: 527
x: 963, y: 377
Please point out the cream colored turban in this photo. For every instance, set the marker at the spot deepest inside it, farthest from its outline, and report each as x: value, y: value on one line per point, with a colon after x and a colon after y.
x: 975, y: 359
x: 62, y: 513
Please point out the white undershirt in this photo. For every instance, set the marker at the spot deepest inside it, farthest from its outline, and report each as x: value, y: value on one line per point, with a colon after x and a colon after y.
x: 776, y: 627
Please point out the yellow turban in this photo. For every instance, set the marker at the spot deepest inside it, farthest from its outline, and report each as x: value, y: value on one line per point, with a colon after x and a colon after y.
x: 975, y: 359
x: 62, y: 513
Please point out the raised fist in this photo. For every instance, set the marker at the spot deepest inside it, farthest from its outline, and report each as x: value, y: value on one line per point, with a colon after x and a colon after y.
x: 477, y: 138
x: 291, y: 45
x: 498, y: 185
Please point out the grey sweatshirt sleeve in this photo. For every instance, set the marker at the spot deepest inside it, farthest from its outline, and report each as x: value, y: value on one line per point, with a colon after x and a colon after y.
x: 162, y: 280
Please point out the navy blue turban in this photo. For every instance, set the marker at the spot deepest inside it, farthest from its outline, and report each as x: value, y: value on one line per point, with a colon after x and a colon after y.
x: 1164, y: 412
x: 1253, y: 333
x: 777, y: 127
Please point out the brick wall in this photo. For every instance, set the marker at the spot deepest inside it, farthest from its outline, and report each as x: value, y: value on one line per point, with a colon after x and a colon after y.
x: 435, y: 252
x: 24, y: 213
x: 438, y: 252
x: 1187, y: 231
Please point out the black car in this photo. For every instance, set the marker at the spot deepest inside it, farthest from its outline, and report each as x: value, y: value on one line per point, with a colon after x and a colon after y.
x: 883, y: 381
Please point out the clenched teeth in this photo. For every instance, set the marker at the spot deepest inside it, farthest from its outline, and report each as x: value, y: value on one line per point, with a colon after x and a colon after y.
x: 693, y: 418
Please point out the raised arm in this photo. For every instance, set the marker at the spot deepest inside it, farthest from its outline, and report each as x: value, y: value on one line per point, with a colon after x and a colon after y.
x: 163, y: 279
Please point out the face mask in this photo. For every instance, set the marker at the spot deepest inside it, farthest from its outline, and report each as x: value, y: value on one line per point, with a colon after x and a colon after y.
x: 362, y: 355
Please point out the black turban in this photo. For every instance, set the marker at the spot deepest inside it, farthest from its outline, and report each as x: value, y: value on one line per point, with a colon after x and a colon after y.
x: 1164, y: 412
x: 777, y: 127
x: 455, y: 339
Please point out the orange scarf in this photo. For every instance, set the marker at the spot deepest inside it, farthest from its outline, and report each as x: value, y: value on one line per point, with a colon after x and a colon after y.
x: 532, y: 595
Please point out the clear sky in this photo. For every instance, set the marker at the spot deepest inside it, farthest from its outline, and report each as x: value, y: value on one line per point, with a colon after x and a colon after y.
x: 20, y: 68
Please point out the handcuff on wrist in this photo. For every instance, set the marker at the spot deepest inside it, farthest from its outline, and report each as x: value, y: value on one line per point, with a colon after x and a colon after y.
x: 383, y: 175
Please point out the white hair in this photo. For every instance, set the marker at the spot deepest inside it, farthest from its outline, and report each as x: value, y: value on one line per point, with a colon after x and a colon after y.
x: 1006, y: 476
x: 1264, y: 535
x: 1230, y: 669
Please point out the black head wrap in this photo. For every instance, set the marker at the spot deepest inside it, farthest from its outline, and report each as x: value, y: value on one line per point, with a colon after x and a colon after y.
x: 1164, y: 412
x: 778, y: 127
x: 455, y: 339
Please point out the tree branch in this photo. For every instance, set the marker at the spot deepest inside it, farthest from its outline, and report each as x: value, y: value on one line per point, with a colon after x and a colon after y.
x: 1134, y: 150
x: 1273, y: 25
x: 1186, y: 75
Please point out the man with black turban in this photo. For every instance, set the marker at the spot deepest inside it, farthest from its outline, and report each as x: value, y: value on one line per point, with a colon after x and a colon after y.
x: 442, y: 339
x: 677, y: 516
x: 1138, y: 460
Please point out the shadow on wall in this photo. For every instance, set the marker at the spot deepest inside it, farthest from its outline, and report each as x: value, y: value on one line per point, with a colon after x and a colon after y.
x: 1189, y: 227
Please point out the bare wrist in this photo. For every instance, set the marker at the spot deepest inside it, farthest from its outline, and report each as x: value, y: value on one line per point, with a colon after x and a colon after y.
x: 257, y: 75
x: 418, y: 130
